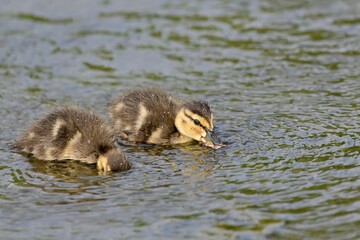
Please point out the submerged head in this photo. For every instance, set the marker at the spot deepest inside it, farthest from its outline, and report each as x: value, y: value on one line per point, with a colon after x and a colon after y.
x: 113, y: 160
x: 195, y: 120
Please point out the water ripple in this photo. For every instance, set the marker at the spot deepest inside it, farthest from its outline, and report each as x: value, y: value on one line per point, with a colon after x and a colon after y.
x: 281, y: 76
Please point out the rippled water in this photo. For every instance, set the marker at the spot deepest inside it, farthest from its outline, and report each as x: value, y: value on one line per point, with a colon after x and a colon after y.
x: 283, y: 78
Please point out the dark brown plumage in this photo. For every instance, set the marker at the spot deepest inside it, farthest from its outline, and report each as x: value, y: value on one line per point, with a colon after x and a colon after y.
x: 73, y: 133
x: 152, y: 116
x: 128, y: 126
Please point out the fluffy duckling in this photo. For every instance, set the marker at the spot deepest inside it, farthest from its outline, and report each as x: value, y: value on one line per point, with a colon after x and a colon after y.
x: 152, y: 116
x: 73, y: 133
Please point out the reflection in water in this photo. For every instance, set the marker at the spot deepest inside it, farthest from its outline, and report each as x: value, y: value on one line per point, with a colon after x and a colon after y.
x: 197, y: 162
x: 65, y: 170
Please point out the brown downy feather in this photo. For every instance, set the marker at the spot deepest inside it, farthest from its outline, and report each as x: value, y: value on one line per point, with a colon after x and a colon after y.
x: 70, y: 133
x: 148, y: 116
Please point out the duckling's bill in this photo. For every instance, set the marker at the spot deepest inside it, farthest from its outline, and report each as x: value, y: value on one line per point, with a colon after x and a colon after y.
x: 211, y: 140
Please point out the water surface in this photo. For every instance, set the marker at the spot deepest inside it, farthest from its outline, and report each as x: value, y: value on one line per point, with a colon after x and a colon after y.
x: 282, y: 78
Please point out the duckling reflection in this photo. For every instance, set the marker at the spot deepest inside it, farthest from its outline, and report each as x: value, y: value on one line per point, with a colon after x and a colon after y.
x: 191, y: 161
x: 68, y: 171
x: 73, y: 133
x: 199, y: 163
x: 71, y: 181
x: 152, y: 116
x: 196, y: 168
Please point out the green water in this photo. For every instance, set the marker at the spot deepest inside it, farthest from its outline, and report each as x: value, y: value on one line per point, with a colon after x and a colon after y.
x: 283, y: 80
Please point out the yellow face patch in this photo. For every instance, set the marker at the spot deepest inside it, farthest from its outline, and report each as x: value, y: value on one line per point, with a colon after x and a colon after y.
x: 202, y: 120
x: 186, y: 126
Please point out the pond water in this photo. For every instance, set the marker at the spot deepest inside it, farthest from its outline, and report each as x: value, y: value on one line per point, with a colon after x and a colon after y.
x: 283, y: 80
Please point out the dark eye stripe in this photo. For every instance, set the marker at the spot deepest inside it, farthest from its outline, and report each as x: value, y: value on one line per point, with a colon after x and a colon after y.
x: 197, y: 121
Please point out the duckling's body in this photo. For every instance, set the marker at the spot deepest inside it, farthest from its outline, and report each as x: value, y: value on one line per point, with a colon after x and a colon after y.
x: 152, y: 116
x: 73, y: 133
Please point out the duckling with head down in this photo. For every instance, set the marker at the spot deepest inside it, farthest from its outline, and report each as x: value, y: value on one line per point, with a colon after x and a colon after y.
x: 152, y: 116
x: 73, y: 133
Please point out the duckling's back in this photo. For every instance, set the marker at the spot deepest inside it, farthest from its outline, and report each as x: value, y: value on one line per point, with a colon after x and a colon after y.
x: 50, y: 137
x: 146, y: 115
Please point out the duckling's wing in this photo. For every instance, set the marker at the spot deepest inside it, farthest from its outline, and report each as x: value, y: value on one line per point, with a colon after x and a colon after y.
x: 143, y: 115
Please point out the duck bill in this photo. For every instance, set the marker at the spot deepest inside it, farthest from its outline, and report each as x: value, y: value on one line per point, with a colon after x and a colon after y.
x: 211, y: 140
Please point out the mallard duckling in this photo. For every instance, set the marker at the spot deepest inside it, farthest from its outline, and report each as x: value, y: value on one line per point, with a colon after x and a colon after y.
x: 73, y: 133
x: 152, y: 116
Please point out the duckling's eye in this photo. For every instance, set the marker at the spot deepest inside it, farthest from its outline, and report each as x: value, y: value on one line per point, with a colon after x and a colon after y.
x: 196, y: 122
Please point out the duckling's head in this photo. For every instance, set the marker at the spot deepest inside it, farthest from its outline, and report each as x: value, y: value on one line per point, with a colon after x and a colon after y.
x: 113, y: 160
x: 195, y: 120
